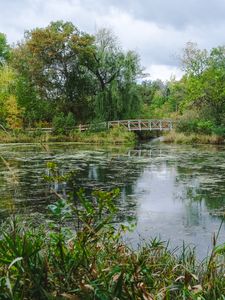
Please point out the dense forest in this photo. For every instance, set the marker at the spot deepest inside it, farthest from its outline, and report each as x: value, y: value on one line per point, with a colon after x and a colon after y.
x: 61, y: 75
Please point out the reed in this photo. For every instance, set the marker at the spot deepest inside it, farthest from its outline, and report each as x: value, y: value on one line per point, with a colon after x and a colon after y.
x: 194, y: 138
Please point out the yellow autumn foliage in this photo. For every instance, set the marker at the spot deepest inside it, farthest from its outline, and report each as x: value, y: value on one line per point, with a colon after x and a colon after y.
x: 13, y: 117
x: 10, y: 112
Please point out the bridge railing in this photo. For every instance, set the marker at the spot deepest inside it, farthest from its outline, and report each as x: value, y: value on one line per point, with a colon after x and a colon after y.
x: 143, y: 124
x: 133, y: 125
x: 130, y: 125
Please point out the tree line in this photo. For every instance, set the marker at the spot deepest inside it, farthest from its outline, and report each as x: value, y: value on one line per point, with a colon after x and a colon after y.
x: 61, y: 71
x: 61, y: 74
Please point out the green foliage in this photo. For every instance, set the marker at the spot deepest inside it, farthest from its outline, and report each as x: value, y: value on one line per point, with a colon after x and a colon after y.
x: 197, y: 101
x: 195, y: 126
x: 62, y: 69
x: 220, y: 131
x: 52, y: 60
x: 10, y: 111
x: 205, y: 126
x: 62, y: 124
x: 4, y: 50
x: 115, y: 73
x: 194, y: 61
x: 35, y: 109
x: 204, y: 89
x: 90, y: 78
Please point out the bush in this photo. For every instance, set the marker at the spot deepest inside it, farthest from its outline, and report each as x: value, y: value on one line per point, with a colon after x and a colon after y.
x: 63, y: 124
x: 187, y: 126
x: 219, y: 131
x: 96, y: 126
x: 195, y: 126
x: 204, y: 127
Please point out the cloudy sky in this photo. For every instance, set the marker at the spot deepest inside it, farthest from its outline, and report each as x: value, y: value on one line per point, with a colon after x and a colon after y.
x: 156, y: 29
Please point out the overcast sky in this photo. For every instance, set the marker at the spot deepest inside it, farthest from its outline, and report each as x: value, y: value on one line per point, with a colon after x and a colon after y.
x: 156, y: 29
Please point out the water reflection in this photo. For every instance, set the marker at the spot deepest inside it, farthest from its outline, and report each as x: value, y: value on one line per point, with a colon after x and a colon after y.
x: 172, y: 191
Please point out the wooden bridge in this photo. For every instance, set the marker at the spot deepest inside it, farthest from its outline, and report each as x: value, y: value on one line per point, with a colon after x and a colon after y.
x: 133, y: 125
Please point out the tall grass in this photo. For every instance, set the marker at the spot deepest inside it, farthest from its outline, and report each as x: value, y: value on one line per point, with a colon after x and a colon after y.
x: 193, y: 138
x: 89, y: 260
x: 114, y: 136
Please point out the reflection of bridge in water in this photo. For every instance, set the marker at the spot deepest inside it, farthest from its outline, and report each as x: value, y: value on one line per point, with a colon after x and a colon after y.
x: 133, y: 125
x: 144, y: 153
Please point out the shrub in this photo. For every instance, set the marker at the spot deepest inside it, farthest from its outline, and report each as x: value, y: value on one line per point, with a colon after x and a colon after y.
x: 187, y: 126
x: 204, y: 127
x: 63, y: 124
x: 195, y: 126
x: 219, y: 131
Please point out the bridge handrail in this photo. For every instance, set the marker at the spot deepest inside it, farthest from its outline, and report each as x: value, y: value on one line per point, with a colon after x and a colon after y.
x: 128, y: 123
x: 109, y: 124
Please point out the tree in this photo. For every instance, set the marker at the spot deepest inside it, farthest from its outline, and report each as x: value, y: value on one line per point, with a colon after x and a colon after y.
x: 115, y: 73
x: 194, y: 60
x: 53, y: 59
x: 203, y: 84
x: 64, y: 70
x: 4, y: 49
x: 10, y: 112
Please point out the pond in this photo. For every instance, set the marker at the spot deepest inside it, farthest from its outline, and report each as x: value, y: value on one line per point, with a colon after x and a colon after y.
x: 173, y: 192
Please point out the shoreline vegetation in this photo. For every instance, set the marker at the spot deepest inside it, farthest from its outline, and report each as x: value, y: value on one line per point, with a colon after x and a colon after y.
x: 89, y: 259
x: 115, y: 136
x: 192, y: 138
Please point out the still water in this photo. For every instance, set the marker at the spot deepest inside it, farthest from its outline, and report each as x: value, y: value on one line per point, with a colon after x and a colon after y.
x: 173, y: 192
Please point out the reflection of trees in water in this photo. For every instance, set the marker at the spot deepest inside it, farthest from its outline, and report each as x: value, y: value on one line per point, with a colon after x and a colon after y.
x: 9, y: 181
x: 102, y: 170
x: 203, y: 182
x: 21, y: 186
x: 114, y: 173
x: 107, y: 170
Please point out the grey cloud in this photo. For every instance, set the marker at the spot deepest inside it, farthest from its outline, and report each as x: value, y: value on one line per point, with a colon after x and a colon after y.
x: 176, y: 13
x: 157, y: 29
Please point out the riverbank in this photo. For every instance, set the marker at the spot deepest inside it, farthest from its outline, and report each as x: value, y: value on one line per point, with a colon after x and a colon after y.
x: 114, y: 136
x: 193, y: 138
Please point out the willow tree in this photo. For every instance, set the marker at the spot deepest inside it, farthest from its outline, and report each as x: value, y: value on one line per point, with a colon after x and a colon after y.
x: 116, y: 73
